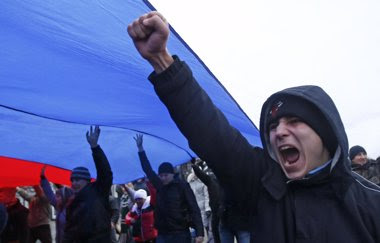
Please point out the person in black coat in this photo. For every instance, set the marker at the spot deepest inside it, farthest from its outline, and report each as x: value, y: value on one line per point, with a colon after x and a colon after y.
x: 88, y: 216
x: 215, y: 196
x: 299, y: 187
x: 3, y: 217
x: 176, y: 208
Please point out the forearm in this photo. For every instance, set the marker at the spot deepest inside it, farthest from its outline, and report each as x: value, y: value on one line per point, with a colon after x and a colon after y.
x: 209, y: 133
x: 103, y: 170
x: 201, y: 175
x: 48, y: 191
x: 131, y: 192
x: 147, y: 168
x: 161, y: 62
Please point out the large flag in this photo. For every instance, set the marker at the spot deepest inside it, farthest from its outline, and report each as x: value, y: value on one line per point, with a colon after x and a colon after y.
x: 66, y: 65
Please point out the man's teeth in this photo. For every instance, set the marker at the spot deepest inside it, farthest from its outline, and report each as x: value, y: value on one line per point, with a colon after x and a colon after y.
x: 282, y: 148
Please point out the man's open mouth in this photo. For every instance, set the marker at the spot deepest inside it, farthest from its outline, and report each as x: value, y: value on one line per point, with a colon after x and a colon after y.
x: 289, y: 154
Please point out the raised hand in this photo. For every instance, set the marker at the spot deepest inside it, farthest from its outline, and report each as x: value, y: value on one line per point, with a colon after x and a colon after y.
x: 42, y: 175
x: 150, y: 34
x: 139, y: 142
x: 93, y: 136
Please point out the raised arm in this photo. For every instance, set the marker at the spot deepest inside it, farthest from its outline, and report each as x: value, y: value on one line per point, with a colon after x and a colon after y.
x: 104, y: 174
x: 206, y: 128
x: 130, y: 190
x: 24, y: 194
x: 47, y: 188
x: 145, y: 165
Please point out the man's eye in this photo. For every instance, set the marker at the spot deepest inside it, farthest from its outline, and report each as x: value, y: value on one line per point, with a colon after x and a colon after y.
x: 272, y: 126
x: 293, y: 120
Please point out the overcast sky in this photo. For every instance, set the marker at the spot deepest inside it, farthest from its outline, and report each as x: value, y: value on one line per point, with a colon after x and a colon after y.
x: 257, y: 47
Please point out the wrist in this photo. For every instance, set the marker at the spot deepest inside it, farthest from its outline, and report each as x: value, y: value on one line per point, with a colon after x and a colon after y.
x: 93, y: 145
x: 161, y: 61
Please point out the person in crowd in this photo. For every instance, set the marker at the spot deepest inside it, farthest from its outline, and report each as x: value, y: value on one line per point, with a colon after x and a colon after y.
x: 39, y: 214
x: 234, y: 222
x: 16, y: 229
x: 202, y: 197
x: 140, y: 183
x: 141, y: 216
x: 3, y: 217
x: 176, y: 208
x: 215, y: 197
x: 115, y: 214
x: 299, y: 187
x: 59, y: 200
x: 361, y: 164
x: 126, y: 204
x: 88, y: 215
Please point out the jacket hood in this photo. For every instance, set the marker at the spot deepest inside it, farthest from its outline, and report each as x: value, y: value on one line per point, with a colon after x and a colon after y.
x: 322, y: 101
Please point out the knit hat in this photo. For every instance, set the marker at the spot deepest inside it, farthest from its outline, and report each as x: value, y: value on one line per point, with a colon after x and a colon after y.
x: 355, y: 150
x: 166, y: 167
x: 140, y: 194
x: 307, y: 112
x: 80, y: 173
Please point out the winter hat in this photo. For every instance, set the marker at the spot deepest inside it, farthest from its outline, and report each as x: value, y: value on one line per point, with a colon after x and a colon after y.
x: 307, y: 112
x: 355, y: 150
x: 140, y: 194
x: 166, y: 167
x: 80, y: 173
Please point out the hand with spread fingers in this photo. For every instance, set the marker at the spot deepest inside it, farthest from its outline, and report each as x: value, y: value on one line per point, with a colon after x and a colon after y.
x: 93, y: 136
x: 139, y: 142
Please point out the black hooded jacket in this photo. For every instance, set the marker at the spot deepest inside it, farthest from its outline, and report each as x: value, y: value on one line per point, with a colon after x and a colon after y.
x: 332, y: 206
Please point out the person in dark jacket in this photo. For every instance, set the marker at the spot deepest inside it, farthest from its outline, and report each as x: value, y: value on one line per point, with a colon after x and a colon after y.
x: 88, y: 215
x: 299, y: 187
x: 214, y: 192
x: 361, y: 164
x: 16, y: 229
x: 176, y: 208
x: 3, y: 217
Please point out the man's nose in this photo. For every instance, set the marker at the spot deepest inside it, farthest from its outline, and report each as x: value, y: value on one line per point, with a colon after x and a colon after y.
x: 281, y: 129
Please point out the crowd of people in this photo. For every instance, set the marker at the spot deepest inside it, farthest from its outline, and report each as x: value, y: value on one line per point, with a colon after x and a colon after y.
x: 304, y: 185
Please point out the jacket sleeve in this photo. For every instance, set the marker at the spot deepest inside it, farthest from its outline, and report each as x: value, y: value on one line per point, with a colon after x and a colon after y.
x: 129, y: 217
x: 48, y: 192
x: 207, y: 199
x: 202, y: 175
x: 24, y: 194
x: 104, y: 174
x: 195, y: 212
x: 147, y: 168
x: 209, y: 133
x: 153, y: 193
x: 131, y: 193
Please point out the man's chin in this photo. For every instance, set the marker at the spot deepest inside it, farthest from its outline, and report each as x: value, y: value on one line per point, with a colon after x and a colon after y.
x: 294, y: 173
